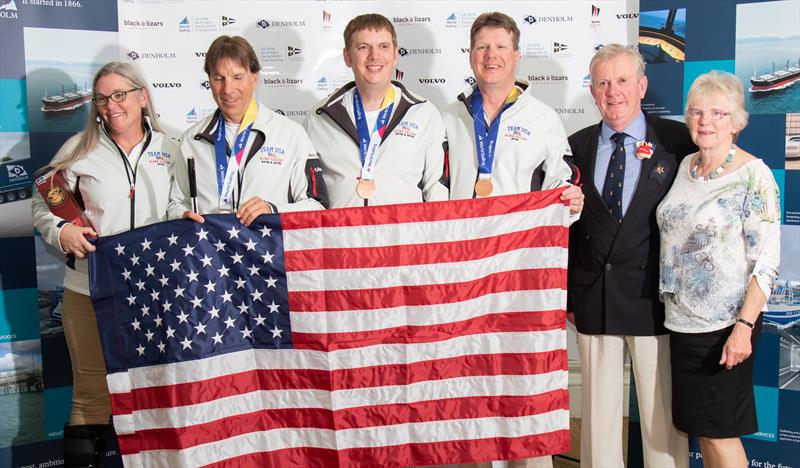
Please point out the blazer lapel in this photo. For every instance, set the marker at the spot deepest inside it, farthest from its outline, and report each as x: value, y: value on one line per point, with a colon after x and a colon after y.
x: 652, y: 179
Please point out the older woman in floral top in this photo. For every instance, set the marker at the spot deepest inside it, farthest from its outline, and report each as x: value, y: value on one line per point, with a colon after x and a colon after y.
x: 720, y: 249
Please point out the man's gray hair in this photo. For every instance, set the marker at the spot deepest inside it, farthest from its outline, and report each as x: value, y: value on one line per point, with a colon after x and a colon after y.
x: 612, y: 51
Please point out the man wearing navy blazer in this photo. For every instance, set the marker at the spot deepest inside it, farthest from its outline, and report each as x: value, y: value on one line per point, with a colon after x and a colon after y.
x: 628, y: 162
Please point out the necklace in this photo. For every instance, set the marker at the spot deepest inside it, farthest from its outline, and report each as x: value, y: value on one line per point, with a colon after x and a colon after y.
x: 716, y: 172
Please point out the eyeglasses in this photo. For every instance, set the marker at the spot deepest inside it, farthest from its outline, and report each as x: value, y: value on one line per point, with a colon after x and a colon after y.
x: 116, y: 96
x: 713, y: 115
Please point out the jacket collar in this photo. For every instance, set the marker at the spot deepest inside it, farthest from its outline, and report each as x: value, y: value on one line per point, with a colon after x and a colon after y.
x: 335, y: 109
x: 148, y: 134
x: 263, y: 118
x: 465, y: 97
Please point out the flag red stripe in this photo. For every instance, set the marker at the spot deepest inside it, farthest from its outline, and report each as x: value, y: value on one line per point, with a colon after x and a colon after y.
x: 423, y: 254
x: 351, y: 418
x: 489, y: 323
x: 428, y: 294
x: 459, y: 451
x: 310, y: 457
x: 363, y: 377
x: 420, y: 212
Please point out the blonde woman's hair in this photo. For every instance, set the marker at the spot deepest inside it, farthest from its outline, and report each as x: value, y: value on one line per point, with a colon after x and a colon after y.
x: 726, y: 85
x: 86, y: 140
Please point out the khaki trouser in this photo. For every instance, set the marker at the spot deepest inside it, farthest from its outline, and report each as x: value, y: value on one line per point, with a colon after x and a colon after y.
x: 90, y: 401
x: 602, y: 363
x: 538, y: 462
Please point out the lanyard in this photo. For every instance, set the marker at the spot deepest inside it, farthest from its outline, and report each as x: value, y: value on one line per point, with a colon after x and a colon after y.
x: 486, y: 136
x: 369, y: 143
x: 228, y: 168
x: 130, y: 171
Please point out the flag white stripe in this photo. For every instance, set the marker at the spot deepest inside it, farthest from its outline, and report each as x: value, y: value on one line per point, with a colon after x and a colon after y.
x: 426, y: 315
x: 451, y: 230
x: 378, y: 436
x: 457, y: 429
x: 490, y: 343
x: 233, y: 363
x: 460, y: 387
x: 421, y: 275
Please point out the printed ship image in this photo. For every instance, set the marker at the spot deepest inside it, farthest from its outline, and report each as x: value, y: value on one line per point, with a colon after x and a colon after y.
x: 784, y: 304
x: 66, y: 100
x: 778, y: 79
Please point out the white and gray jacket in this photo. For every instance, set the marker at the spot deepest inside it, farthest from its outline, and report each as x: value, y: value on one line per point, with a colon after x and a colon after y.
x: 101, y: 183
x: 410, y: 160
x: 529, y: 153
x: 280, y: 166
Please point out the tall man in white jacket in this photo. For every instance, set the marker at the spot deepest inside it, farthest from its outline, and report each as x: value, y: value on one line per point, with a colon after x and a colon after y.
x: 501, y: 139
x: 249, y: 159
x: 377, y: 142
x: 522, y: 140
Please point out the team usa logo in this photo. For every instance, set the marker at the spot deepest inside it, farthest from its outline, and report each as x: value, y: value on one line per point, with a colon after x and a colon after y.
x: 407, y: 129
x: 517, y: 133
x: 273, y: 155
x: 157, y: 158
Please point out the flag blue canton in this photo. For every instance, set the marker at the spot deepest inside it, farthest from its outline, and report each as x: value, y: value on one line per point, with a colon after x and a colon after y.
x: 180, y: 290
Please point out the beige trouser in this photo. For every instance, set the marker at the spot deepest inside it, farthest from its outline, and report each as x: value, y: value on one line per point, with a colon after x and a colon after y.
x: 90, y: 401
x: 602, y: 362
x: 538, y: 462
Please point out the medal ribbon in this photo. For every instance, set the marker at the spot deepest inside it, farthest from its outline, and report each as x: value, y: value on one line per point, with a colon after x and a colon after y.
x: 369, y: 143
x: 486, y: 136
x: 228, y: 168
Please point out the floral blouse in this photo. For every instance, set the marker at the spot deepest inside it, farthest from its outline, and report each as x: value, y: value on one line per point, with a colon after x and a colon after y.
x: 717, y: 234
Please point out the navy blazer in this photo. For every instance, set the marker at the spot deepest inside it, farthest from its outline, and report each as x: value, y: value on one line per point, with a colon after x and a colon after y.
x: 613, y: 267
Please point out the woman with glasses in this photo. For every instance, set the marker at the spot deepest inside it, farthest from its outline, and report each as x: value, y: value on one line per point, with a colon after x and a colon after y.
x: 119, y: 168
x: 720, y: 249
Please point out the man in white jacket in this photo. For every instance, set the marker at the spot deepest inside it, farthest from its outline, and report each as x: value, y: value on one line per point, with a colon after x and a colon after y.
x: 378, y: 143
x: 248, y: 159
x: 501, y: 139
x: 521, y: 141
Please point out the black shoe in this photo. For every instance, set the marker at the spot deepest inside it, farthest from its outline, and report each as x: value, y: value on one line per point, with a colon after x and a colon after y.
x: 85, y: 445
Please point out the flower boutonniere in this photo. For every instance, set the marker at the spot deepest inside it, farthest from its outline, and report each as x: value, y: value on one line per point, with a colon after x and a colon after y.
x: 644, y: 149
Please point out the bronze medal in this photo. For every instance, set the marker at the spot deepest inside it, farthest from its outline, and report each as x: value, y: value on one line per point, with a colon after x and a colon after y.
x: 483, y: 187
x: 365, y: 188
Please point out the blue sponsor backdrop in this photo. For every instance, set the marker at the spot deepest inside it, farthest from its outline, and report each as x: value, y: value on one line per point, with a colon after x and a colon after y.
x: 746, y: 38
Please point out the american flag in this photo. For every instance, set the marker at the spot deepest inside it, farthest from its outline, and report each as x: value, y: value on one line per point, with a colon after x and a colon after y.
x: 400, y: 335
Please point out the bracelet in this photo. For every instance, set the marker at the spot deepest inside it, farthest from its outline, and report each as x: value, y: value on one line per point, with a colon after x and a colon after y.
x: 745, y: 322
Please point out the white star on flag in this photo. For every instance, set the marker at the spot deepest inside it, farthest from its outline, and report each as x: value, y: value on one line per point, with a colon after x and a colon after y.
x: 217, y: 338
